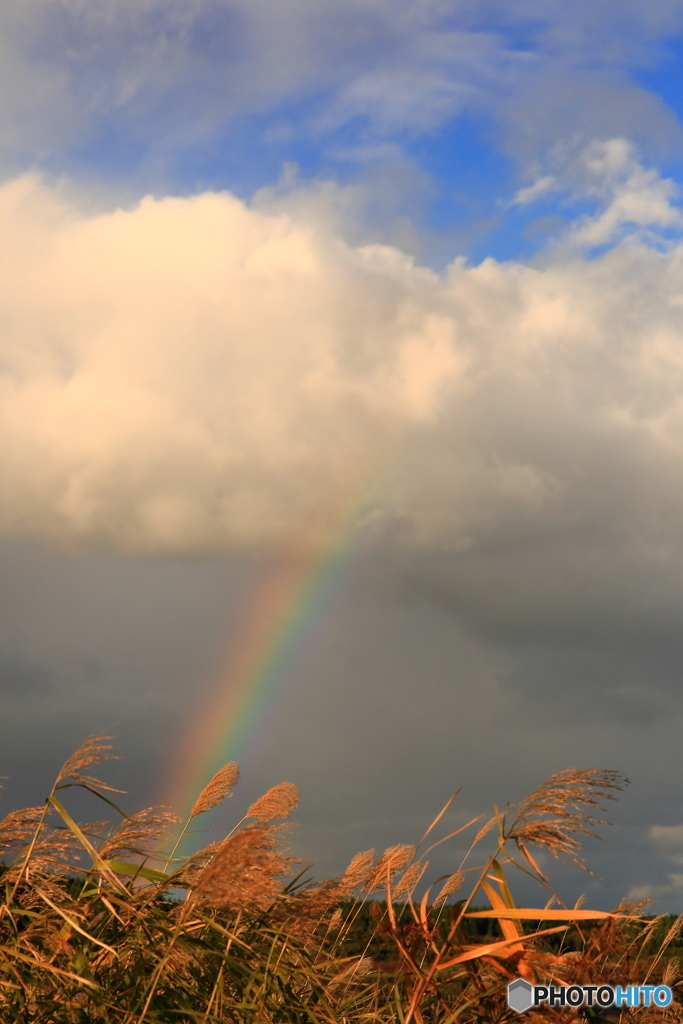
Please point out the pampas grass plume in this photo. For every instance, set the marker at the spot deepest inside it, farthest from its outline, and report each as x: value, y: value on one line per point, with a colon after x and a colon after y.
x: 278, y: 802
x: 216, y: 791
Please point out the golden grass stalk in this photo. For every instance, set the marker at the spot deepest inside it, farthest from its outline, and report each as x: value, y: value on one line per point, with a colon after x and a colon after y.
x: 393, y: 860
x: 278, y: 802
x: 137, y: 832
x: 563, y: 808
x: 450, y: 887
x: 358, y: 870
x: 245, y: 871
x: 672, y: 934
x: 672, y: 971
x: 335, y: 921
x: 16, y: 829
x: 410, y: 878
x: 484, y: 830
x: 94, y: 749
x: 214, y: 793
x: 218, y: 789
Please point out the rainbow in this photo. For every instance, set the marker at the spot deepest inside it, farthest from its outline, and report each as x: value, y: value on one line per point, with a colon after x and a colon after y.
x: 287, y: 612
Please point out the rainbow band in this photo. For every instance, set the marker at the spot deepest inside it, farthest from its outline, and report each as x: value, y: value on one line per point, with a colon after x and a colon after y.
x: 285, y: 615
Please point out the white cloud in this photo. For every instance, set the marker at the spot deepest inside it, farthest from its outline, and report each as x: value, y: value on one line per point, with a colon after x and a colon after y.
x: 541, y: 187
x: 667, y: 839
x: 636, y: 196
x: 628, y: 196
x: 194, y: 374
x: 652, y: 891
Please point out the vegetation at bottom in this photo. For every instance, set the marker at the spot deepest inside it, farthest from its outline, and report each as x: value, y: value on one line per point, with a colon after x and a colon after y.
x: 103, y: 922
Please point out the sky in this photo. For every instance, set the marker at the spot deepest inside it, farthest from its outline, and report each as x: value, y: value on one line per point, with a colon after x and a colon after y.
x: 341, y: 410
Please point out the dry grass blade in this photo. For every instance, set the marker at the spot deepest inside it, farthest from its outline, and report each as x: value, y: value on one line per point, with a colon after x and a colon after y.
x: 278, y: 802
x: 504, y: 913
x: 43, y: 965
x: 70, y: 920
x: 218, y: 790
x: 562, y: 808
x: 438, y: 818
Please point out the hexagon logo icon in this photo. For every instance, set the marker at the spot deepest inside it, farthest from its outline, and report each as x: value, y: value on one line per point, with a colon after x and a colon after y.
x: 520, y: 995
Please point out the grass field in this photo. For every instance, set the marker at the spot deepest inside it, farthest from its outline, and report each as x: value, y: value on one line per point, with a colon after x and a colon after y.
x: 103, y: 922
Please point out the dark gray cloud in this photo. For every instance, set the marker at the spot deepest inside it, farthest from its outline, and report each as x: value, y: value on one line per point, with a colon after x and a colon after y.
x: 21, y: 680
x: 401, y: 699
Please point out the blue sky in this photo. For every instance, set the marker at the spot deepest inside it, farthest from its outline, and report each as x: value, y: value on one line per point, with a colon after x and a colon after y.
x: 440, y: 110
x: 258, y: 259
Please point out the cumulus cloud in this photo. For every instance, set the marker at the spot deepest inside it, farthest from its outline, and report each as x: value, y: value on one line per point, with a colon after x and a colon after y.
x: 639, y: 197
x: 194, y: 374
x: 668, y: 839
